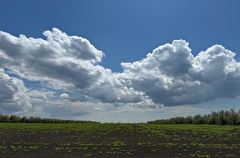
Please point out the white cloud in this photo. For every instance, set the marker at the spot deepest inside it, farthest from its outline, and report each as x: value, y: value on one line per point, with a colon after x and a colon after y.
x: 64, y: 96
x: 61, y: 61
x: 67, y: 97
x: 112, y: 88
x: 13, y: 96
x: 73, y: 46
x: 171, y: 75
x: 40, y: 95
x: 72, y: 81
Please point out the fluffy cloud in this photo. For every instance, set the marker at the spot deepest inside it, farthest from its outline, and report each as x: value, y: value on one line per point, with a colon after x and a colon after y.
x: 61, y: 61
x: 171, y: 75
x: 65, y: 63
x: 13, y: 96
x: 67, y: 97
x: 113, y: 88
x: 68, y: 66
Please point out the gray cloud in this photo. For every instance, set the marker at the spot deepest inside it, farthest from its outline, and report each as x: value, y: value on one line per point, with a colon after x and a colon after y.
x: 113, y: 88
x: 169, y: 76
x: 13, y: 94
x: 67, y: 97
x: 68, y: 59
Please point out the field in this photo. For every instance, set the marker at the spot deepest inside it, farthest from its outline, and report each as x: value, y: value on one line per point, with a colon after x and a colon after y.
x: 118, y: 140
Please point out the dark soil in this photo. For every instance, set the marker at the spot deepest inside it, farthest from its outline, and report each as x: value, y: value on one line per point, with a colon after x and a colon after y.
x: 117, y: 143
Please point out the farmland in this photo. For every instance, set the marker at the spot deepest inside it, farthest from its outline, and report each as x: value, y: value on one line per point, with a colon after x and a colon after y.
x: 118, y: 140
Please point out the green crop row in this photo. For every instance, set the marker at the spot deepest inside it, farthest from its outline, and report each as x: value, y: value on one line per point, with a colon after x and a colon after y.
x: 120, y: 139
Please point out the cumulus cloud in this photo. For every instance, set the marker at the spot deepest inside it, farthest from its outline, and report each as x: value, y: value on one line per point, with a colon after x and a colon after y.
x: 13, y: 96
x: 61, y: 61
x: 64, y: 65
x: 171, y: 75
x: 112, y: 88
x: 67, y: 97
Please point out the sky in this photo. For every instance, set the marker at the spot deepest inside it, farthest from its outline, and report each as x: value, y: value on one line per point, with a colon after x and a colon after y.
x: 119, y: 61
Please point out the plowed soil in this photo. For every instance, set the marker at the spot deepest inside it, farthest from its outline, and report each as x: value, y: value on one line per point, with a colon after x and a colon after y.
x: 119, y: 141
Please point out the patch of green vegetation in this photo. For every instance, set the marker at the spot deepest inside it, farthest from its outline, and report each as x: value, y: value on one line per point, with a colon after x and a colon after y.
x: 230, y: 155
x: 118, y: 143
x: 170, y: 144
x: 34, y: 147
x: 125, y: 142
x: 88, y: 155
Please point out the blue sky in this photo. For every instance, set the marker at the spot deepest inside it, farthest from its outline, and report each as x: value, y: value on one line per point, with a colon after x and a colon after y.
x: 119, y: 61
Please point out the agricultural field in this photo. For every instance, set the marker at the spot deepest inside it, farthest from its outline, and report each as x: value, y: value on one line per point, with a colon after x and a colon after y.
x: 118, y: 140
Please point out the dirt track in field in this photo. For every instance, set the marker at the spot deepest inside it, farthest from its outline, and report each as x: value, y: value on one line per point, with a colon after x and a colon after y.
x: 118, y: 142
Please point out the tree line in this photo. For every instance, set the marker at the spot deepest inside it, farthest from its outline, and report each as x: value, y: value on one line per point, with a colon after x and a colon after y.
x: 223, y: 117
x: 31, y: 119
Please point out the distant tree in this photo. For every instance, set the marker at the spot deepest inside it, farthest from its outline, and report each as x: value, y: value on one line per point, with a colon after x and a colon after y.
x: 14, y: 118
x: 213, y: 118
x: 197, y: 119
x: 188, y: 120
x: 221, y: 118
x: 6, y: 118
x: 31, y: 119
x: 24, y: 119
x: 1, y: 117
x: 233, y: 117
x: 218, y: 118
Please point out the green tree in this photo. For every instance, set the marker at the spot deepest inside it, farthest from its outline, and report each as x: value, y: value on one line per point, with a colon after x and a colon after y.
x: 5, y: 118
x: 14, y: 118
